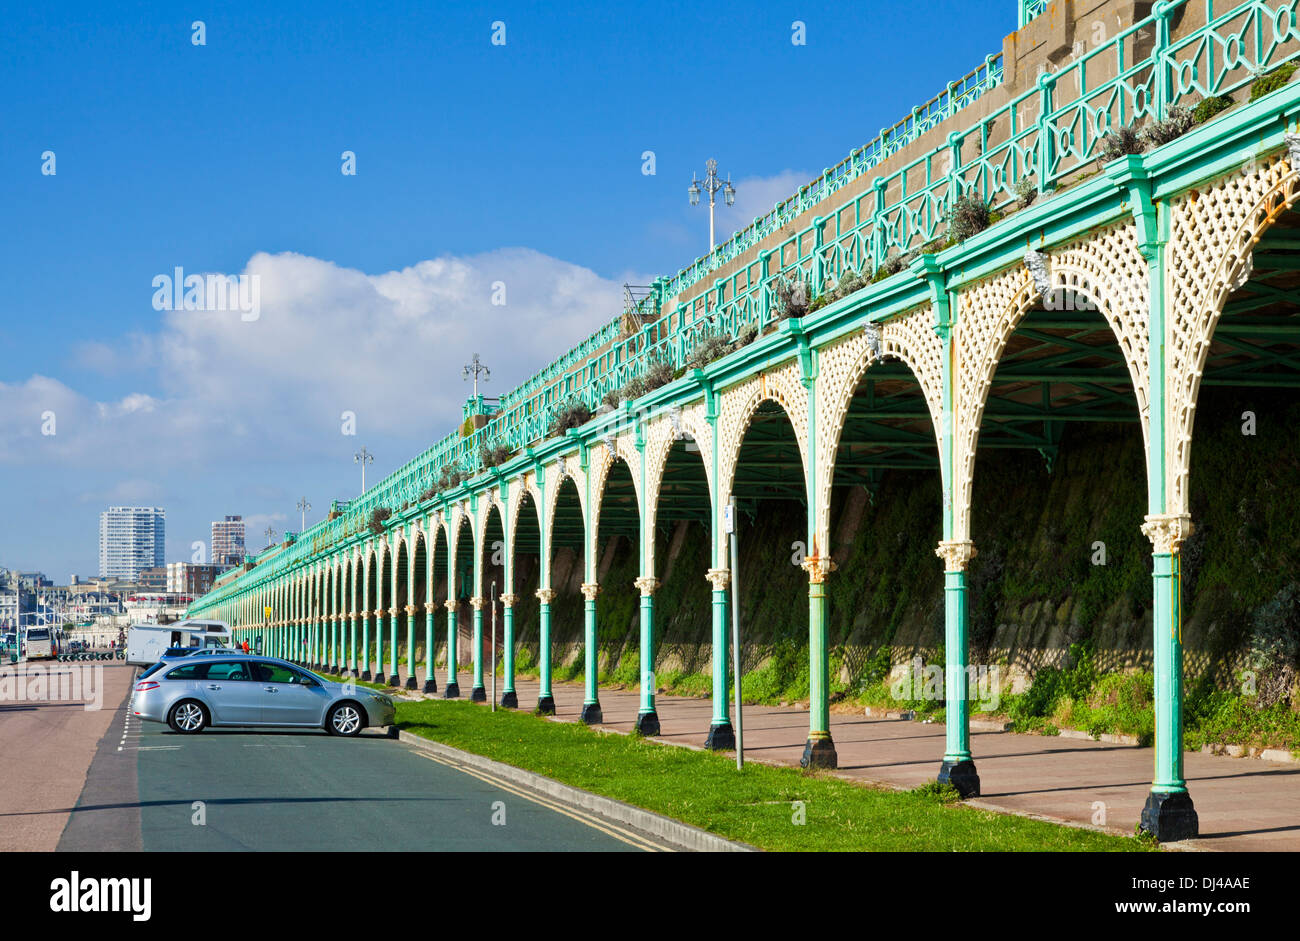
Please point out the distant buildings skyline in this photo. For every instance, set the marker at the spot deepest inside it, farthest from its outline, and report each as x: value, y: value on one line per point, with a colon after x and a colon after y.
x: 131, y: 539
x: 228, y: 545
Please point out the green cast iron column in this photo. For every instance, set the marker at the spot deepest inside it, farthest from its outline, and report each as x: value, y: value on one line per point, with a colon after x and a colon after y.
x: 1169, y: 813
x: 410, y: 645
x: 379, y: 633
x: 394, y: 613
x: 452, y: 689
x: 591, y: 713
x: 958, y: 767
x: 477, y: 693
x: 722, y: 736
x: 545, y: 701
x: 647, y: 719
x: 365, y: 644
x: 430, y: 684
x: 509, y: 697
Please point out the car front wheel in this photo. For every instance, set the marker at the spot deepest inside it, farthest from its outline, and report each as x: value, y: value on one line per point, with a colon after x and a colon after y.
x: 188, y: 717
x: 345, y: 718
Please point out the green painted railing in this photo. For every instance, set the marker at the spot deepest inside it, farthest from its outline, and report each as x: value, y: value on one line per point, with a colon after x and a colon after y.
x: 1044, y: 135
x: 1030, y: 9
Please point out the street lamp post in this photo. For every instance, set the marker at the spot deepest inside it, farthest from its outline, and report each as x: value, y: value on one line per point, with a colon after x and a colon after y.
x: 270, y: 536
x: 363, y: 457
x: 711, y: 184
x: 303, y: 507
x: 474, y: 369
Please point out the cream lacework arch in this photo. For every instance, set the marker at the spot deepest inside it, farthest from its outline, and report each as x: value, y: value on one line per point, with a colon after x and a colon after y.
x: 784, y: 386
x: 910, y: 338
x: 1107, y: 269
x: 600, y: 462
x: 660, y: 436
x: 1213, y: 232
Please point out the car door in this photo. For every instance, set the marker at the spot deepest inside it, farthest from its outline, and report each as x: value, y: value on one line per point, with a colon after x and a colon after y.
x: 230, y: 691
x: 287, y: 698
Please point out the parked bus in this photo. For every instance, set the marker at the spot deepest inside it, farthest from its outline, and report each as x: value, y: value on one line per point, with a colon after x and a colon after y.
x: 145, y: 643
x: 42, y: 643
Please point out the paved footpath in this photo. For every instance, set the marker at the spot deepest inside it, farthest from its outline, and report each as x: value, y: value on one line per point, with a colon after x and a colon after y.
x: 47, y: 743
x: 1243, y: 803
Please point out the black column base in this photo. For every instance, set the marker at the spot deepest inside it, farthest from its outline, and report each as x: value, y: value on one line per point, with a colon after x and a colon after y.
x: 430, y: 685
x: 410, y: 682
x: 365, y: 676
x: 819, y: 753
x: 510, y: 700
x: 546, y: 705
x: 1170, y: 817
x: 478, y: 694
x: 961, y: 775
x: 722, y: 737
x: 647, y: 723
x: 591, y: 713
x: 451, y: 691
x: 379, y: 678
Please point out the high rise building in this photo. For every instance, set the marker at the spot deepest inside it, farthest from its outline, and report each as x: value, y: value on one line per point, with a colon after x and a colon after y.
x: 228, y: 541
x: 131, y: 539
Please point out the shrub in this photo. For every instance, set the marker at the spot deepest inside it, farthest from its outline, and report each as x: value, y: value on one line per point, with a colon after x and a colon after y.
x: 377, y: 517
x: 1026, y: 192
x: 1207, y: 108
x: 428, y: 494
x: 494, y: 456
x: 450, y: 476
x: 892, y: 265
x: 573, y: 415
x: 1275, y: 644
x: 614, y: 396
x: 1121, y: 142
x: 708, y: 347
x: 970, y: 215
x: 1272, y: 81
x: 467, y: 428
x: 791, y: 297
x: 746, y: 336
x: 658, y: 373
x: 1178, y: 123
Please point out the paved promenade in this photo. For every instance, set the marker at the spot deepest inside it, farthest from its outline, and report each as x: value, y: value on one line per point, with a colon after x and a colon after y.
x: 1243, y: 803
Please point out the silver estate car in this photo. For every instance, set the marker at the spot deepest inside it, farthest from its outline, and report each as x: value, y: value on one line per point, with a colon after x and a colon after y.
x: 247, y: 690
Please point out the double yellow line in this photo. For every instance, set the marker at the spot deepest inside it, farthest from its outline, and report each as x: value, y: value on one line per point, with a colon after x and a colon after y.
x: 596, y: 823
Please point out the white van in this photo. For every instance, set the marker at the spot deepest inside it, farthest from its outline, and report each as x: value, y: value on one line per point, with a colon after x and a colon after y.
x: 145, y: 643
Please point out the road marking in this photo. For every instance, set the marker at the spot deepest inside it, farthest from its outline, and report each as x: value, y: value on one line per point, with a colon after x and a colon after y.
x: 594, y: 822
x: 154, y: 747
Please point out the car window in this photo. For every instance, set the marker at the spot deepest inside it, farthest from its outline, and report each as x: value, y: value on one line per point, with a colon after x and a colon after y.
x: 193, y: 671
x: 230, y: 670
x: 278, y: 673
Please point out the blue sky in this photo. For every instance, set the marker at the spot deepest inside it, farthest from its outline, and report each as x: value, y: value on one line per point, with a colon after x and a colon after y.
x: 475, y: 163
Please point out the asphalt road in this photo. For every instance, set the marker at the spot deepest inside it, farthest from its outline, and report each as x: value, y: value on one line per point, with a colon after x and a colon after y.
x: 152, y: 789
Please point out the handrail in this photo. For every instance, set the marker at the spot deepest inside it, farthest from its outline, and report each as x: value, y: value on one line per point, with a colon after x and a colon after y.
x: 1045, y: 137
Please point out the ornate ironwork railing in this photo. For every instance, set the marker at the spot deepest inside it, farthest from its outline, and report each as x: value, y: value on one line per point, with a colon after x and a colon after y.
x: 1043, y: 135
x: 1030, y: 9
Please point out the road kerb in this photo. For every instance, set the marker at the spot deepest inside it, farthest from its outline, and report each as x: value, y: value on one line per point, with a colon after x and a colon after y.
x: 678, y: 835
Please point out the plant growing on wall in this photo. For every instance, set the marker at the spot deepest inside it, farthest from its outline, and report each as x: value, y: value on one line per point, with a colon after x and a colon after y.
x: 969, y: 216
x: 494, y: 456
x: 450, y: 476
x: 1272, y: 81
x: 377, y: 517
x: 791, y: 296
x: 1207, y: 108
x: 892, y: 265
x: 1121, y: 142
x: 1026, y: 192
x: 1175, y: 125
x: 573, y: 414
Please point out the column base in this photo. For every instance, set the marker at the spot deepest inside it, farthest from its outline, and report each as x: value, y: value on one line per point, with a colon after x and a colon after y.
x: 1170, y: 817
x: 722, y: 737
x: 546, y: 705
x: 591, y: 713
x: 819, y: 753
x: 380, y: 679
x: 451, y: 690
x: 430, y: 685
x: 510, y: 700
x: 647, y: 723
x: 478, y: 694
x: 410, y: 682
x: 365, y: 676
x: 961, y: 775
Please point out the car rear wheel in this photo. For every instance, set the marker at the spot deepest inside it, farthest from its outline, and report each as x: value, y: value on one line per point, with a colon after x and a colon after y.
x: 345, y: 718
x: 188, y: 717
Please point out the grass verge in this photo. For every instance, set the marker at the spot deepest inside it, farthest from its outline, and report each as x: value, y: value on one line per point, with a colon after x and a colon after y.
x: 762, y: 805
